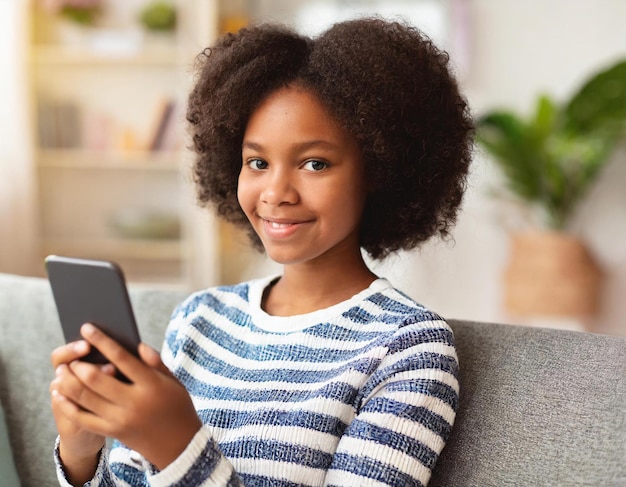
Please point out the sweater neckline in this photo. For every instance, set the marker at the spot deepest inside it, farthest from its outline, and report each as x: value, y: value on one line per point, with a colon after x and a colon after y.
x: 287, y: 324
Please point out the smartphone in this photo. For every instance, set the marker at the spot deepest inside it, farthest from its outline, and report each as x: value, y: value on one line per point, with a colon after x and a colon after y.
x: 92, y: 291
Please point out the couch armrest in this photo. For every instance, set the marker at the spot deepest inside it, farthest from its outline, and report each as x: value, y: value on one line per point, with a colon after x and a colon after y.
x: 537, y: 407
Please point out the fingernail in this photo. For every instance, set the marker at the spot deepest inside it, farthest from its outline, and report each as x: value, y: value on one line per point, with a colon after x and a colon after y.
x: 88, y: 329
x: 108, y: 369
x: 57, y: 395
x: 150, y: 352
x: 59, y: 370
x: 81, y: 346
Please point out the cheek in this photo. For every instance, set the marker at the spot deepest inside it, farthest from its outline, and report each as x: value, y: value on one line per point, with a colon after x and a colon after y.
x: 354, y: 198
x: 346, y: 206
x: 243, y: 194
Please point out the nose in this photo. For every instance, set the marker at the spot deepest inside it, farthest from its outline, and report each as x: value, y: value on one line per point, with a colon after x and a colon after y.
x: 279, y: 189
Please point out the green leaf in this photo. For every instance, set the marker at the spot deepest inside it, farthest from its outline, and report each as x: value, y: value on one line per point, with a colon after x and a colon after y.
x: 552, y: 159
x: 505, y: 124
x: 546, y: 116
x: 517, y: 151
x: 600, y: 103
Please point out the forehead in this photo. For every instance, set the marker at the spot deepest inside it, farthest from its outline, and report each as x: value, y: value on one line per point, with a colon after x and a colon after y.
x: 294, y: 110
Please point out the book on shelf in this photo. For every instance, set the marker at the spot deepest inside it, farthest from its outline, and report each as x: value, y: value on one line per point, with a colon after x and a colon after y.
x: 164, y: 132
x: 98, y: 128
x: 46, y: 125
x: 64, y: 125
x: 59, y: 125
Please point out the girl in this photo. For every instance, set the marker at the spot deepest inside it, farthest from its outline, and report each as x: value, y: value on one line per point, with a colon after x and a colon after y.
x: 325, y: 374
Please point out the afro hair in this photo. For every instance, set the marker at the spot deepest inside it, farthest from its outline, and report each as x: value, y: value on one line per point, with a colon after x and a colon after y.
x: 385, y: 82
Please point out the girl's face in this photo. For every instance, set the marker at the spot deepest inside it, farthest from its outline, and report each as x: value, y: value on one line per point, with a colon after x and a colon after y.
x: 302, y: 183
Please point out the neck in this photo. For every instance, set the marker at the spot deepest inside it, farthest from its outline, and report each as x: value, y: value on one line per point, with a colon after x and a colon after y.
x: 304, y: 288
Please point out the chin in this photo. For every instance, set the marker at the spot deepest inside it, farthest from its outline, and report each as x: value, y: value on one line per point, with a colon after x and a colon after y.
x: 286, y: 257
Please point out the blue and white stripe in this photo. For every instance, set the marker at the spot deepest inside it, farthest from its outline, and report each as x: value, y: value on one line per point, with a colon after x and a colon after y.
x: 362, y: 393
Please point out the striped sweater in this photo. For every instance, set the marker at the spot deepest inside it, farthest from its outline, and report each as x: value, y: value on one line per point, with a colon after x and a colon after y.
x: 361, y: 393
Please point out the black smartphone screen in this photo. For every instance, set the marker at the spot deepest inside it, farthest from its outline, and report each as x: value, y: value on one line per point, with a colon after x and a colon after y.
x: 92, y: 291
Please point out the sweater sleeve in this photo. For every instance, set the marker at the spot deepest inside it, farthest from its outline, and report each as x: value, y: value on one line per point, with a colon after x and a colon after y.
x: 407, y: 411
x: 102, y: 475
x: 200, y: 464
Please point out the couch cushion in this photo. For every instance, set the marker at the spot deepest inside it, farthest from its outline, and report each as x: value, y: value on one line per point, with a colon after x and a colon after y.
x: 8, y: 474
x: 538, y: 407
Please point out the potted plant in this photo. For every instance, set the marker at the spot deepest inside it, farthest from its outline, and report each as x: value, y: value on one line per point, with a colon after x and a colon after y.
x: 73, y: 20
x: 158, y: 16
x: 82, y: 12
x: 549, y: 161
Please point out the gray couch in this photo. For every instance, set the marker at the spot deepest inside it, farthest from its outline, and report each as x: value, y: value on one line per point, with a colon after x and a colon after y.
x: 538, y: 407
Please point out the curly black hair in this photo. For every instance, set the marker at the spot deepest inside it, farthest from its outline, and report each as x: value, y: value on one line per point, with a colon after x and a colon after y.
x: 385, y: 82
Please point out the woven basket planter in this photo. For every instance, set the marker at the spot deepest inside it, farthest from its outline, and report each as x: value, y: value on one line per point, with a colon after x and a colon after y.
x: 551, y: 274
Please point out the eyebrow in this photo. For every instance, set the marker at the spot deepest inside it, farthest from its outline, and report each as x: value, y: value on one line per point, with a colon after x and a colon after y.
x: 300, y: 146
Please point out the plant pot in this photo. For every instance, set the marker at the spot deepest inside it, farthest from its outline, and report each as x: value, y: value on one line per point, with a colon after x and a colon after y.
x: 551, y: 274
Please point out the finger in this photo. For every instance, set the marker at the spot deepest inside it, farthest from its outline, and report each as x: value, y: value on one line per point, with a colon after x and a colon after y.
x: 108, y: 369
x: 63, y: 377
x: 69, y: 352
x: 81, y: 418
x: 152, y: 358
x: 89, y: 388
x: 56, y: 398
x: 122, y: 359
x: 58, y: 401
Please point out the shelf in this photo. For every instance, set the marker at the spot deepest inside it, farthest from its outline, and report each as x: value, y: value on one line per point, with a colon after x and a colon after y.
x: 53, y: 55
x: 101, y: 96
x: 127, y: 160
x: 139, y: 249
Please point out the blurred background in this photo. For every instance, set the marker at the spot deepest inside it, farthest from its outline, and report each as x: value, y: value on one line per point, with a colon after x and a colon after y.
x: 94, y: 159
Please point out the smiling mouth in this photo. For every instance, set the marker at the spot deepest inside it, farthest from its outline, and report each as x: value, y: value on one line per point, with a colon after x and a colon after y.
x: 281, y: 228
x: 278, y: 224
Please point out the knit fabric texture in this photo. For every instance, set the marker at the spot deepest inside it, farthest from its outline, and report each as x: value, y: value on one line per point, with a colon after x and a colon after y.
x: 361, y: 393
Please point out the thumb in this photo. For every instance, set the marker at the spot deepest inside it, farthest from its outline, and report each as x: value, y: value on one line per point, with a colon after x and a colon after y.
x: 152, y: 358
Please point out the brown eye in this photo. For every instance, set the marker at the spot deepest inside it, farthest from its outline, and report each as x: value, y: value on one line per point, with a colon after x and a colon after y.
x: 315, y: 165
x: 257, y: 164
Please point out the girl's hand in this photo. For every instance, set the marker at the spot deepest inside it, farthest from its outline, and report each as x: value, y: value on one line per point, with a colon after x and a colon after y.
x: 154, y: 415
x: 78, y: 448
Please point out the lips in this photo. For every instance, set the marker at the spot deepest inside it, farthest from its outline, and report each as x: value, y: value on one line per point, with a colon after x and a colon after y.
x: 281, y: 228
x: 278, y: 224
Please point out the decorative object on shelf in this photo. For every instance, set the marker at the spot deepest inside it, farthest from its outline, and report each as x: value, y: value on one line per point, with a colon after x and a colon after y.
x: 83, y: 12
x: 158, y: 16
x: 74, y: 21
x: 549, y: 162
x: 233, y: 15
x: 90, y: 26
x: 146, y: 224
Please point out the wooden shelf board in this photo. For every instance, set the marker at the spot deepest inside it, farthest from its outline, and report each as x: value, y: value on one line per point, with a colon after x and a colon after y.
x: 85, y: 159
x: 137, y: 249
x: 52, y: 55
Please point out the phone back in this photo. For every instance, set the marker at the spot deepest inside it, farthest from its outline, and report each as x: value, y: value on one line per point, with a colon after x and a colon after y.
x: 91, y: 291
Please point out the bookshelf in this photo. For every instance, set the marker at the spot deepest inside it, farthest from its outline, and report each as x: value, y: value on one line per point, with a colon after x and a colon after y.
x: 112, y: 168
